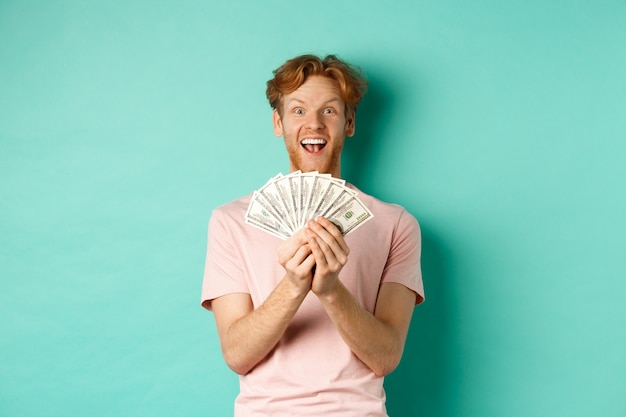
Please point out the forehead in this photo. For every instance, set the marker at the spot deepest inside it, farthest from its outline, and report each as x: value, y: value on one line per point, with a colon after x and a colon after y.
x: 316, y: 89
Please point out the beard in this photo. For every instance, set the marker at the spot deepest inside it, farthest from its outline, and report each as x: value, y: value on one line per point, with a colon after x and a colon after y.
x: 329, y: 162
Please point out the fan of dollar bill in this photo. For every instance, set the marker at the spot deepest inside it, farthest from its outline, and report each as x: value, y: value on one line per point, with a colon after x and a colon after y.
x: 286, y: 202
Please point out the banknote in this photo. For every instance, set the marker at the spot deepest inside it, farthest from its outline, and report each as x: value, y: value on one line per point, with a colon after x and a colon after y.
x: 284, y: 204
x: 261, y: 214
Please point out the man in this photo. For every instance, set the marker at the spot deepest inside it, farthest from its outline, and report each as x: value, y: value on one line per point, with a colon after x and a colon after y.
x: 313, y: 323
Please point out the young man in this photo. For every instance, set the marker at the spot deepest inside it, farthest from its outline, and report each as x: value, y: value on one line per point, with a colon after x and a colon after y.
x: 313, y: 323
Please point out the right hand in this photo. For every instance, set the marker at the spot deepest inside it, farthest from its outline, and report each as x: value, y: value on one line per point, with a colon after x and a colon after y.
x: 295, y: 255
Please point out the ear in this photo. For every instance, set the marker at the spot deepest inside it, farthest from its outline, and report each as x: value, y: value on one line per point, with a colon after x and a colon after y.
x: 350, y: 128
x: 278, y: 123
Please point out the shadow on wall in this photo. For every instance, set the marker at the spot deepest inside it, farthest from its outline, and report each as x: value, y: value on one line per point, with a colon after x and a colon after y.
x: 359, y: 150
x: 417, y: 386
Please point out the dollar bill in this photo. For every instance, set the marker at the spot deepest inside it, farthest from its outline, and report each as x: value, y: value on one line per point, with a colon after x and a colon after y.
x: 349, y: 215
x: 272, y: 195
x: 260, y: 214
x: 286, y: 202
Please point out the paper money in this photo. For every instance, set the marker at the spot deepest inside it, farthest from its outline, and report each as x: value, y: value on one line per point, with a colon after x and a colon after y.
x: 286, y: 202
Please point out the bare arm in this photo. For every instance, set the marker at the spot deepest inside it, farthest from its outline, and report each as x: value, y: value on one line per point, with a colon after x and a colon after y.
x: 246, y: 334
x: 377, y: 339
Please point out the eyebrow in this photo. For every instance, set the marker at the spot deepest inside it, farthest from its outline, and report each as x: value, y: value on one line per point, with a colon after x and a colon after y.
x: 334, y: 99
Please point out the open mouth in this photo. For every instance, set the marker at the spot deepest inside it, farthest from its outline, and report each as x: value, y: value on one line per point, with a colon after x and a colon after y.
x: 313, y: 145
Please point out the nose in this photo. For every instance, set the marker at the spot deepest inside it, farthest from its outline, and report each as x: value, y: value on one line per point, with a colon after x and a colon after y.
x: 314, y: 121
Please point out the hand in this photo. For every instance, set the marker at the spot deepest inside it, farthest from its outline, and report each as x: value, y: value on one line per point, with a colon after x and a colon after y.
x: 330, y: 252
x: 295, y: 255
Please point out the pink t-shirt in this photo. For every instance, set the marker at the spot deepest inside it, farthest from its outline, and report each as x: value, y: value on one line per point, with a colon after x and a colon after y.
x: 311, y: 372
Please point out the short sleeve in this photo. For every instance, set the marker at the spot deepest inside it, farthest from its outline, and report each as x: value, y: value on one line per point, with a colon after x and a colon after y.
x: 223, y: 272
x: 403, y: 263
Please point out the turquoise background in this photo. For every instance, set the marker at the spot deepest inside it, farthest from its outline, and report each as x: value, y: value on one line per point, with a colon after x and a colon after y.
x: 499, y: 125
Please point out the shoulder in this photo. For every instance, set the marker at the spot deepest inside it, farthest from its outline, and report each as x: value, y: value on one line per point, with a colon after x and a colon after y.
x: 388, y: 213
x: 232, y: 209
x: 227, y: 218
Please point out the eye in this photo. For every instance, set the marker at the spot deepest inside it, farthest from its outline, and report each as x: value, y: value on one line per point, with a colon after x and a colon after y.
x: 329, y: 110
x: 298, y: 110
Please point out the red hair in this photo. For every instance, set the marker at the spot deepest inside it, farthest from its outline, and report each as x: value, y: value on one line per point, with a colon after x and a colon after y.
x: 293, y: 73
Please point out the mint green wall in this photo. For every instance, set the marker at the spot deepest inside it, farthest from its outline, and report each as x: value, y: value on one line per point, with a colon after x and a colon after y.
x: 500, y: 125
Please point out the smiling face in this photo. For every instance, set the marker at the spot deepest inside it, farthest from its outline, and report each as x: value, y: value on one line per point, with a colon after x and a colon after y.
x: 314, y: 124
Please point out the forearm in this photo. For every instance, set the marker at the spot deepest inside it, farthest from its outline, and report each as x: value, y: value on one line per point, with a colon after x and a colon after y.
x: 248, y: 339
x: 375, y: 342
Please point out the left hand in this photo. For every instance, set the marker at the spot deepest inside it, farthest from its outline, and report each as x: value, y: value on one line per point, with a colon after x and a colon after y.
x: 330, y: 251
